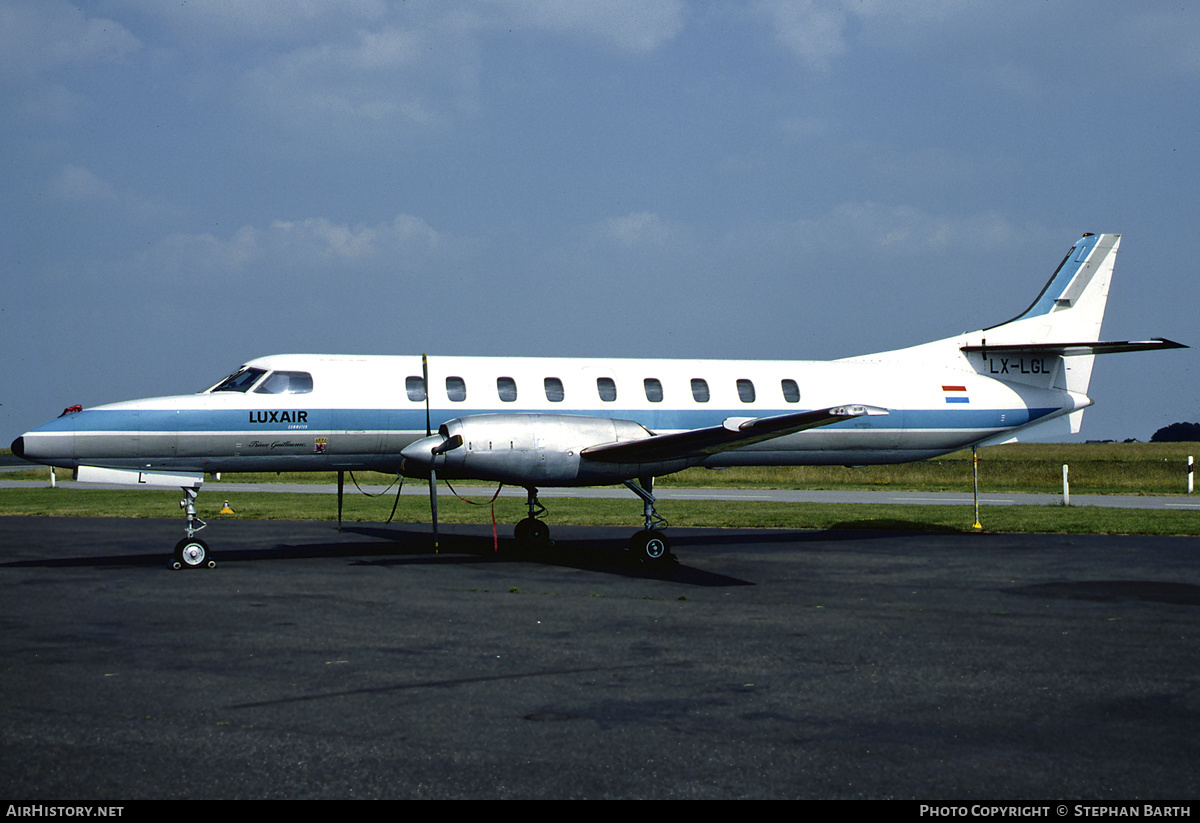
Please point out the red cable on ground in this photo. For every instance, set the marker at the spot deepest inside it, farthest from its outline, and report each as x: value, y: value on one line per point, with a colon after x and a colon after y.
x: 492, y: 503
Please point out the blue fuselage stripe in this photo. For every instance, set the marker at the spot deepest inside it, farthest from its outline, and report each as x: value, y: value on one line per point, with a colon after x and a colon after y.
x: 228, y: 420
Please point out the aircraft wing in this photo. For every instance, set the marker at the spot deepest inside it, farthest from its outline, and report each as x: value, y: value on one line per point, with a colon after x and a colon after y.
x: 734, y: 433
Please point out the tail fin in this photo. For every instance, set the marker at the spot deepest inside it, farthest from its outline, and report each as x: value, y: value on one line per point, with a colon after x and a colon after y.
x: 1054, y: 343
x: 1071, y: 306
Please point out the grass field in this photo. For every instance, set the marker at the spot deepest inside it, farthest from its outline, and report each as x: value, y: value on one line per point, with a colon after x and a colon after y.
x: 605, y: 512
x: 1105, y: 468
x: 1095, y: 468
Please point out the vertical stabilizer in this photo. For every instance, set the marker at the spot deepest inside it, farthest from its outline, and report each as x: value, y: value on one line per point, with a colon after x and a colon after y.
x: 1070, y: 308
x: 1050, y: 345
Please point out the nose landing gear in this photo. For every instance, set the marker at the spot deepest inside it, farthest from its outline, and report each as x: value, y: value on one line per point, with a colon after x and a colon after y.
x: 191, y: 552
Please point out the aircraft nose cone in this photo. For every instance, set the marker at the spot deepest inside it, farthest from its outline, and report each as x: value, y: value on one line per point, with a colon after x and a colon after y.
x: 418, y: 456
x: 18, y: 447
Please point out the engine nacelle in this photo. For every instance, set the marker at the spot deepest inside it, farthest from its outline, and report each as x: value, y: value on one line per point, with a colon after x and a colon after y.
x: 524, y: 449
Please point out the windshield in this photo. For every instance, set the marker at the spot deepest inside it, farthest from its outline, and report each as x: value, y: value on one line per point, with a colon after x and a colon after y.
x: 240, y: 380
x: 286, y: 382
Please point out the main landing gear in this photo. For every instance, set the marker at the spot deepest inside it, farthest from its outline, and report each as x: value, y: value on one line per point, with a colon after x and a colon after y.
x: 649, y: 546
x: 191, y: 552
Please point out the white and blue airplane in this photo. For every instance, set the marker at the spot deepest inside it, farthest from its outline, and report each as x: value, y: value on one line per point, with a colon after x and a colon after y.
x: 540, y: 422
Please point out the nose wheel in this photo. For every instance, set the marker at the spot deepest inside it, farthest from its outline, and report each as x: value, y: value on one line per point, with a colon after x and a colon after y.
x: 191, y: 552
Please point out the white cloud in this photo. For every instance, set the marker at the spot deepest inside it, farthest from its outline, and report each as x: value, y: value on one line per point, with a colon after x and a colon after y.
x: 42, y: 36
x: 903, y: 230
x: 817, y: 32
x: 811, y: 30
x: 389, y: 78
x: 638, y: 230
x: 80, y: 184
x: 201, y: 22
x: 630, y: 25
x: 302, y: 248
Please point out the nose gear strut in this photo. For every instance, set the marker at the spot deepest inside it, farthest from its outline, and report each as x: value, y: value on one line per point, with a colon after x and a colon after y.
x: 191, y: 552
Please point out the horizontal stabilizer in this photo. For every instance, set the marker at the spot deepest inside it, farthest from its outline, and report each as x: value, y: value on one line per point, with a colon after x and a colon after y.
x: 1076, y: 349
x: 733, y: 433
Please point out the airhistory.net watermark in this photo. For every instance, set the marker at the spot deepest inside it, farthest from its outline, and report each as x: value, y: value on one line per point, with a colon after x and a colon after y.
x: 45, y: 810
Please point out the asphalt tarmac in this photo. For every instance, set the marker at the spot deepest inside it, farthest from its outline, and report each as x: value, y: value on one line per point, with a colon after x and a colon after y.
x: 765, y: 664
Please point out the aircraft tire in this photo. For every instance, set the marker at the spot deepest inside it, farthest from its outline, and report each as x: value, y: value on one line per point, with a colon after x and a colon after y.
x: 650, y: 548
x: 191, y: 553
x: 532, y: 533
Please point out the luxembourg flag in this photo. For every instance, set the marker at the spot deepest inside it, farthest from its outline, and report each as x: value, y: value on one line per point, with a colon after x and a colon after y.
x: 956, y: 394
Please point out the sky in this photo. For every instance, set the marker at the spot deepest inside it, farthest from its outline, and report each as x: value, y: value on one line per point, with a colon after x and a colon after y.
x: 185, y: 186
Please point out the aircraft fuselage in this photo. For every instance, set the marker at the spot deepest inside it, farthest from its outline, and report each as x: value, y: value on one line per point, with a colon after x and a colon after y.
x: 361, y: 412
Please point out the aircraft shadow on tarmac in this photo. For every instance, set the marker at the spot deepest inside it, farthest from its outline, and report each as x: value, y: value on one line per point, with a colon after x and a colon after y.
x: 398, y: 545
x: 599, y: 553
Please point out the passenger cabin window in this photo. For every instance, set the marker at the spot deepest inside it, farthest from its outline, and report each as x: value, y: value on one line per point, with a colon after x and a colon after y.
x: 240, y: 380
x: 506, y: 387
x: 554, y: 390
x: 791, y: 392
x: 607, y: 389
x: 415, y: 386
x: 456, y: 389
x: 745, y: 390
x: 654, y: 392
x: 286, y: 382
x: 699, y: 390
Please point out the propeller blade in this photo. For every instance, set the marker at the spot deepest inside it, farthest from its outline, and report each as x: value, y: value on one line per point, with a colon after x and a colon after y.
x: 425, y: 380
x: 432, y: 470
x: 433, y: 505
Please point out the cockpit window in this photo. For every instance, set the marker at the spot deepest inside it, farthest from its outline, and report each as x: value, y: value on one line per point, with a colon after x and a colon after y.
x: 240, y: 380
x: 286, y: 382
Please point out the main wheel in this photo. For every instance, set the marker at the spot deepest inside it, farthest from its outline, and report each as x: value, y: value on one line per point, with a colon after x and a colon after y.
x: 650, y: 547
x: 191, y: 553
x: 533, y: 533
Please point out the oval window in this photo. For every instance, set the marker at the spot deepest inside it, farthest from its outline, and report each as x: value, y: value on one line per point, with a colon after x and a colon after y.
x: 506, y: 387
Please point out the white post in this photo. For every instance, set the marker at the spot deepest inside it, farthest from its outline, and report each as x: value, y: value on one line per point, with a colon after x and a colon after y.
x: 1066, y: 487
x: 1190, y: 482
x: 52, y: 477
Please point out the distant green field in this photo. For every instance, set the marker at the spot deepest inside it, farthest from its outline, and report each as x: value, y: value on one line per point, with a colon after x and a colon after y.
x: 604, y: 512
x: 1095, y: 468
x: 1109, y: 468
